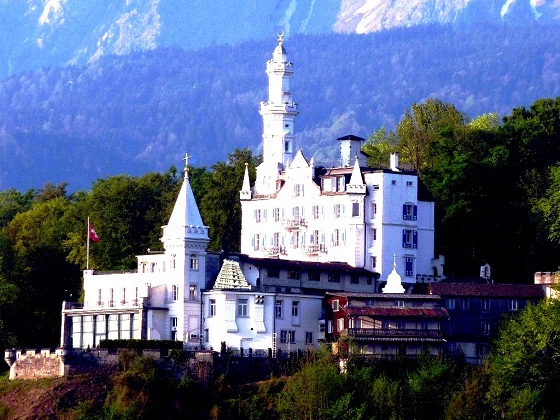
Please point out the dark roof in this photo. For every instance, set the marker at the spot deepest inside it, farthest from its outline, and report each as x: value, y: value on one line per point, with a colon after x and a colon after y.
x: 399, y: 296
x: 351, y: 137
x: 304, y: 265
x: 487, y: 290
x: 398, y: 312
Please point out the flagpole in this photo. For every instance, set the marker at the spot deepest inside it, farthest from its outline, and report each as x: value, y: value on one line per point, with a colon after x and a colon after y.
x: 87, y: 247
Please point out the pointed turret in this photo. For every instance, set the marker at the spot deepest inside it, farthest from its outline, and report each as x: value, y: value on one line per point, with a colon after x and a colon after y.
x: 245, y: 193
x: 185, y: 221
x: 356, y: 184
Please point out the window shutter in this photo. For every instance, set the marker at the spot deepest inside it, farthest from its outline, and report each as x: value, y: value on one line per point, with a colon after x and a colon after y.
x: 404, y: 211
x: 264, y: 214
x: 344, y: 237
x: 255, y: 214
x: 404, y: 244
x: 253, y: 241
x: 414, y: 239
x: 415, y: 214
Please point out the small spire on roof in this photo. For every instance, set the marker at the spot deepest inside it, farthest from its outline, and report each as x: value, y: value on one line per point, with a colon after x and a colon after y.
x: 280, y: 37
x: 186, y: 159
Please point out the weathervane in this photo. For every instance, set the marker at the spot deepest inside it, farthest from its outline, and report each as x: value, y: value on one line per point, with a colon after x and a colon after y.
x: 280, y: 36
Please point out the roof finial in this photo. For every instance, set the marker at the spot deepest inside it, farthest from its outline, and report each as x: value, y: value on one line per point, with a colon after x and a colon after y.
x: 395, y: 261
x: 280, y: 36
x: 186, y: 159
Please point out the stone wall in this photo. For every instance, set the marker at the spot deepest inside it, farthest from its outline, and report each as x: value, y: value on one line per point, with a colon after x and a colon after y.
x: 35, y: 364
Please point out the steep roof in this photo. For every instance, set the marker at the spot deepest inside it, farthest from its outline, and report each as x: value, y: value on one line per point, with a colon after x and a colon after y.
x: 185, y: 221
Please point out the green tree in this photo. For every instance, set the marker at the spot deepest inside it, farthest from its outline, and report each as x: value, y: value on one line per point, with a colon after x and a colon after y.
x: 379, y: 147
x: 525, y: 364
x: 127, y: 213
x: 423, y: 125
x: 220, y: 207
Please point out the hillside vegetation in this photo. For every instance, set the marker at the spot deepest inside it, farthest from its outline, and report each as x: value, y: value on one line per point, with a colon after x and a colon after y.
x: 140, y: 112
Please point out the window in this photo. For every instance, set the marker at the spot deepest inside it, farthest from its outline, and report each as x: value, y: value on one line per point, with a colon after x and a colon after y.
x: 287, y: 336
x: 373, y: 210
x: 334, y: 277
x: 313, y: 275
x: 465, y: 304
x: 206, y: 335
x: 409, y: 212
x: 485, y: 304
x: 450, y: 328
x: 112, y: 295
x: 485, y: 328
x: 408, y: 269
x: 276, y: 214
x: 308, y: 337
x: 194, y: 262
x: 513, y: 305
x: 450, y: 303
x: 123, y: 301
x: 340, y: 324
x: 355, y: 209
x: 336, y: 237
x: 99, y: 301
x: 192, y: 292
x: 373, y: 235
x: 409, y: 183
x: 401, y: 325
x: 258, y: 215
x: 212, y: 310
x: 340, y: 183
x: 410, y: 238
x: 338, y: 210
x: 369, y: 281
x: 393, y: 182
x: 174, y: 324
x: 400, y: 303
x: 314, y: 212
x: 354, y: 279
x: 295, y: 308
x: 242, y: 308
x: 175, y: 293
x: 256, y: 242
x: 373, y: 262
x: 293, y: 274
x: 335, y: 304
x: 278, y: 313
x: 375, y: 187
x: 298, y: 190
x: 273, y: 273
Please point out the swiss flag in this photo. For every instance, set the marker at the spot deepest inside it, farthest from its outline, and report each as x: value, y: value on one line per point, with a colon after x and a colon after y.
x: 93, y: 234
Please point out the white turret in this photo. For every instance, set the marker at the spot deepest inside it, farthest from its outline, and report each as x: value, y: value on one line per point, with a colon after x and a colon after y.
x: 278, y: 115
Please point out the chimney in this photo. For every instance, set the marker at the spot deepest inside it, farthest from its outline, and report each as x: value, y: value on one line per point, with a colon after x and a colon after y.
x: 394, y: 162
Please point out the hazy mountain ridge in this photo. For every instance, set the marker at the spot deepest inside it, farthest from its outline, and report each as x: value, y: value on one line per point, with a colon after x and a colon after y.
x: 40, y: 33
x: 140, y: 112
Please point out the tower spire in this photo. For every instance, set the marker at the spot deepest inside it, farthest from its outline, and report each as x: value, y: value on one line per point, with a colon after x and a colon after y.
x: 278, y: 114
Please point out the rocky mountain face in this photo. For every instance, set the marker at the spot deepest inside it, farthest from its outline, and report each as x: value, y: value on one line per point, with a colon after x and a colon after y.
x: 41, y: 33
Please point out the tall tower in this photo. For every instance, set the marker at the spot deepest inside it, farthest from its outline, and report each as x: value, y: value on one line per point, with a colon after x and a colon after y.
x: 278, y: 114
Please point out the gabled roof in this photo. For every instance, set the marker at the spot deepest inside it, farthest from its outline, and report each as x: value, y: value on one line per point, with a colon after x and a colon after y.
x: 530, y: 291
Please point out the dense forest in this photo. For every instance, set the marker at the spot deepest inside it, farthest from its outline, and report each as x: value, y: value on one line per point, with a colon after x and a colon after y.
x: 140, y: 112
x: 520, y: 380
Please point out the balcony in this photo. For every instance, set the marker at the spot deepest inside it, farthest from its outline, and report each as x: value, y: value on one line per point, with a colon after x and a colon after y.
x: 274, y: 251
x: 314, y: 249
x: 393, y: 332
x: 294, y: 224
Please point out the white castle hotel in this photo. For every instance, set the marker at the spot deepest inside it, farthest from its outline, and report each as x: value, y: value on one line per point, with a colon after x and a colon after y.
x: 307, y: 230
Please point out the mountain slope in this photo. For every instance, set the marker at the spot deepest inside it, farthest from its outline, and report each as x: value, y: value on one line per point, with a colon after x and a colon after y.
x: 140, y: 112
x: 41, y: 33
